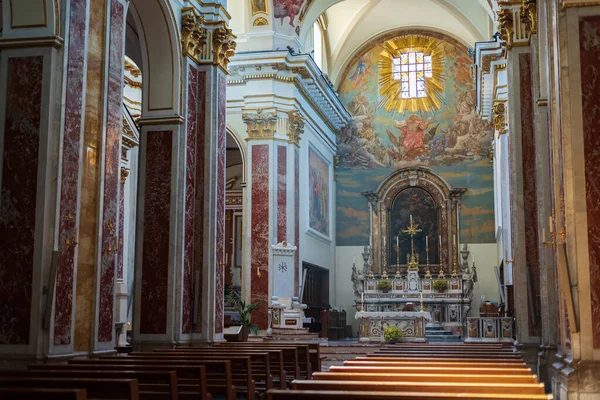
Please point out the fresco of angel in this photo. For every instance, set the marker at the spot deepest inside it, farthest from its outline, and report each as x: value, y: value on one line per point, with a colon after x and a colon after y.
x: 361, y: 73
x: 412, y: 141
x: 287, y: 8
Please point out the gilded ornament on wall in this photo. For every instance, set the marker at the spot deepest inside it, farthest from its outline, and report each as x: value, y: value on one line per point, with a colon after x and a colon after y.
x: 259, y: 6
x: 505, y: 26
x: 193, y: 35
x: 499, y: 117
x: 260, y: 125
x: 260, y: 21
x: 529, y: 16
x: 295, y: 127
x: 223, y: 46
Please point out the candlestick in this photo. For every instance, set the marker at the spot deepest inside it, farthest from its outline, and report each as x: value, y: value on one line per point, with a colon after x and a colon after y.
x: 551, y: 219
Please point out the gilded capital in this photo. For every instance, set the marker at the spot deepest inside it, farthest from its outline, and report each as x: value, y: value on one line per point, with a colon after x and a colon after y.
x: 295, y: 127
x: 499, y: 117
x: 486, y: 62
x: 506, y: 26
x: 529, y: 16
x: 223, y: 46
x: 124, y: 174
x: 193, y: 34
x: 260, y: 125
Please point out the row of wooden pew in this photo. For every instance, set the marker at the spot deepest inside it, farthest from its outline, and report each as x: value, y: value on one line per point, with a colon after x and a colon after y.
x: 423, y: 371
x: 228, y: 370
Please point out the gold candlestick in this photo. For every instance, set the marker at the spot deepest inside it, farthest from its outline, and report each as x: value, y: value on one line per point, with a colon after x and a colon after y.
x: 427, y: 272
x: 441, y: 273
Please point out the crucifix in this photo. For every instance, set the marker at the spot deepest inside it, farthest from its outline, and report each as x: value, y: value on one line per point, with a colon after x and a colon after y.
x: 412, y: 260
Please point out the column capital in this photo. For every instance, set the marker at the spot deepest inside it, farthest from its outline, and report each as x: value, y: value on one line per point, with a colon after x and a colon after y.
x: 193, y: 34
x: 529, y: 16
x: 506, y: 26
x: 223, y: 46
x: 260, y: 125
x: 499, y: 116
x: 295, y: 127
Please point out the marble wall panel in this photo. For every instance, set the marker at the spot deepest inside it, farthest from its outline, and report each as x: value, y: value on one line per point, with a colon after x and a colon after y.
x: 121, y: 248
x: 260, y: 233
x: 529, y: 188
x: 297, y: 219
x: 221, y: 169
x: 190, y: 198
x: 199, y: 193
x: 19, y: 192
x: 155, y: 252
x: 281, y: 193
x: 589, y: 33
x: 112, y: 161
x: 69, y: 188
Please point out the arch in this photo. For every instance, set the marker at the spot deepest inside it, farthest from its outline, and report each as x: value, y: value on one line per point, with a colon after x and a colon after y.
x: 242, y: 146
x: 161, y: 57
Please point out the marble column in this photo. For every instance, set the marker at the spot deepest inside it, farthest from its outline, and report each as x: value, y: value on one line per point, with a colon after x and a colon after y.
x: 273, y: 185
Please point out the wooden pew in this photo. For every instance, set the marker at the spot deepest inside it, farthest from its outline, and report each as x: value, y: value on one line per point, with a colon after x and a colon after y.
x: 265, y: 363
x: 444, y: 387
x: 185, y: 373
x: 350, y: 366
x: 441, y: 358
x: 220, y: 371
x: 42, y: 394
x: 423, y: 377
x: 241, y: 367
x: 155, y: 385
x: 447, y: 355
x: 440, y: 361
x: 96, y: 388
x: 362, y: 395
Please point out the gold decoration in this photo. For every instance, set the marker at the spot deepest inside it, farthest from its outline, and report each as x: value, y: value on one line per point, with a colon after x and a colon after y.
x: 260, y: 6
x: 505, y: 26
x: 193, y: 34
x: 390, y: 89
x: 486, y: 62
x: 499, y: 117
x: 336, y: 165
x: 223, y: 46
x: 529, y: 16
x: 260, y: 126
x: 260, y: 21
x: 295, y: 127
x: 132, y: 68
x: 124, y: 174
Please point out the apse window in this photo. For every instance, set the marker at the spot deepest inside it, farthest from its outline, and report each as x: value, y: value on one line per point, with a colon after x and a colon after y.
x: 411, y: 69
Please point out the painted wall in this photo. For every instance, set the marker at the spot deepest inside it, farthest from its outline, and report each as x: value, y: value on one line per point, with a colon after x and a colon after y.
x: 452, y: 140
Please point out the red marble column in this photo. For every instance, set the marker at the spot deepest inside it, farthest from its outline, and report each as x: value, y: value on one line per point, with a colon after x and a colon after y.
x: 220, y: 186
x: 530, y: 188
x: 260, y: 232
x: 112, y: 160
x: 121, y: 230
x: 156, y: 233
x: 70, y: 179
x: 297, y: 219
x: 281, y: 193
x: 18, y: 192
x: 589, y: 36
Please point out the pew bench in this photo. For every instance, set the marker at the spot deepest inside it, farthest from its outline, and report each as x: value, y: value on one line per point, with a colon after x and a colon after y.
x: 126, y: 389
x: 359, y: 367
x: 362, y: 395
x: 416, y: 377
x: 42, y: 394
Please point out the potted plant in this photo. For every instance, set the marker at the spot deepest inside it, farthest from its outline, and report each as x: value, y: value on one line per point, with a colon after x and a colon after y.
x: 245, y: 315
x: 440, y: 285
x: 384, y: 285
x: 392, y: 334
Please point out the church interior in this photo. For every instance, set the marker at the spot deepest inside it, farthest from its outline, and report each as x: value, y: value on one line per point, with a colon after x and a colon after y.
x: 300, y: 199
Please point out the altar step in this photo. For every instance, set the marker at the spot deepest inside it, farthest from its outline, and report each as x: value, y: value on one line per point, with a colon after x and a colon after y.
x: 294, y: 334
x: 437, y: 334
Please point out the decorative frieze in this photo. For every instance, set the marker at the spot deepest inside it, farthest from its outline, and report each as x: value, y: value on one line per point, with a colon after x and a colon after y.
x: 223, y: 46
x: 260, y: 125
x: 193, y: 34
x: 295, y: 127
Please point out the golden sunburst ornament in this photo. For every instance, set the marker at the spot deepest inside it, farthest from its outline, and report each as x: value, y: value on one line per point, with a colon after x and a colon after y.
x: 411, y: 74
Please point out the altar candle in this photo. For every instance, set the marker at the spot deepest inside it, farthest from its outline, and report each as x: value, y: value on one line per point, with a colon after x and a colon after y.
x: 453, y: 240
x: 362, y: 297
x: 551, y: 223
x: 544, y: 235
x: 397, y: 241
x: 427, y: 241
x: 473, y: 259
x: 440, y: 240
x: 353, y: 260
x: 226, y: 258
x: 411, y: 218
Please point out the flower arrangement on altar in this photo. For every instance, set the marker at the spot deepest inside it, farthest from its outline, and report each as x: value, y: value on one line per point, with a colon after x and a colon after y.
x: 384, y: 285
x: 440, y: 285
x: 392, y: 334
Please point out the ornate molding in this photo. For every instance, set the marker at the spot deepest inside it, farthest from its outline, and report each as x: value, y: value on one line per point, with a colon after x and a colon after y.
x: 486, y: 62
x: 295, y: 127
x: 336, y: 165
x: 499, y: 117
x: 529, y: 16
x: 506, y: 26
x: 223, y: 46
x: 259, y: 125
x: 129, y: 137
x: 260, y: 21
x: 193, y: 34
x: 124, y: 174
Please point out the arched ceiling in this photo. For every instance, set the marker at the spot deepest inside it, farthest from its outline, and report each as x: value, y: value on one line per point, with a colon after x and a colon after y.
x: 353, y: 23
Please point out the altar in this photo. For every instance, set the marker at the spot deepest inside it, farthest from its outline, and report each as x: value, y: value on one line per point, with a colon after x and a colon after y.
x: 410, y: 323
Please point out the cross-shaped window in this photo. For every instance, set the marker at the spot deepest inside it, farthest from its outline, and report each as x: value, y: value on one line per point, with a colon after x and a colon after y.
x: 412, y: 68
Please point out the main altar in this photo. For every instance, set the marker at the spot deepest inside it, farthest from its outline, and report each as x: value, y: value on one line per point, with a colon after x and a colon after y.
x: 414, y: 275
